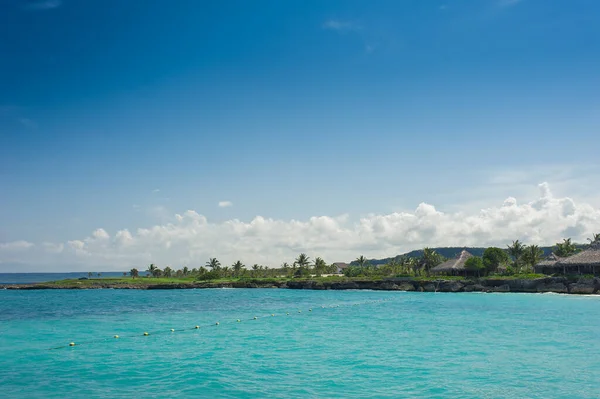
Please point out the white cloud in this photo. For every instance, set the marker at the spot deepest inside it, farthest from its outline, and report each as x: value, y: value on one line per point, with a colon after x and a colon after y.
x: 225, y: 204
x: 341, y: 26
x: 15, y: 246
x: 190, y: 238
x: 156, y: 190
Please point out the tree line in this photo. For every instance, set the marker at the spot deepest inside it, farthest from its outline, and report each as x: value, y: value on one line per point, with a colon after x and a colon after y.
x: 516, y: 258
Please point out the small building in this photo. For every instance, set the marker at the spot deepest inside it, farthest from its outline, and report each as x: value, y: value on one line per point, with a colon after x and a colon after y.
x: 340, y: 267
x: 548, y: 265
x: 455, y: 266
x: 584, y: 262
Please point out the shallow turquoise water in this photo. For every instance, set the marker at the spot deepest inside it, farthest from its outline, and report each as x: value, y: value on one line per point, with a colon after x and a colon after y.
x: 373, y: 345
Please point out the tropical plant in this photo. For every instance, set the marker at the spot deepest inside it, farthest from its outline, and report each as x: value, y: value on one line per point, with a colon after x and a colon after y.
x: 213, y: 264
x: 90, y: 274
x: 185, y: 271
x: 595, y: 238
x: 361, y: 261
x: 156, y: 272
x: 134, y: 273
x: 302, y: 260
x: 565, y: 248
x: 430, y: 259
x: 532, y: 255
x: 475, y: 264
x: 320, y: 266
x: 167, y: 272
x: 493, y: 258
x: 516, y: 250
x: 151, y: 269
x: 237, y: 268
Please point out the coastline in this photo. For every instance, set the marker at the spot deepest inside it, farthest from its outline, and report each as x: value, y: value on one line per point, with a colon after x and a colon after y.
x: 559, y: 285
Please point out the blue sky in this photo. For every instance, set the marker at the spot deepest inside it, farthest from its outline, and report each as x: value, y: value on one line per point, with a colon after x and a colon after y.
x: 119, y: 115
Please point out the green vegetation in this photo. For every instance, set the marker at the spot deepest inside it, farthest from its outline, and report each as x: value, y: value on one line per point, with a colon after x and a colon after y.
x: 517, y: 261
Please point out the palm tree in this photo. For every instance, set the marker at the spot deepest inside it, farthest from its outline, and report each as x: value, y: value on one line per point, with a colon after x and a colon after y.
x: 595, y: 238
x: 565, y: 248
x: 90, y: 274
x: 255, y: 269
x: 185, y: 271
x: 302, y: 260
x: 516, y: 251
x: 429, y: 259
x: 151, y: 269
x: 167, y: 272
x: 532, y: 255
x: 362, y: 261
x: 214, y: 264
x: 134, y: 273
x: 237, y: 268
x: 320, y: 266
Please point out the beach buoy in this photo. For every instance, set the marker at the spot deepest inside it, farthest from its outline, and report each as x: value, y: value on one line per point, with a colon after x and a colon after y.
x: 272, y: 315
x: 255, y: 317
x: 172, y: 330
x: 310, y: 310
x: 116, y: 336
x: 197, y: 327
x: 72, y: 344
x: 238, y: 320
x: 287, y: 313
x: 299, y: 311
x: 217, y: 323
x: 145, y: 333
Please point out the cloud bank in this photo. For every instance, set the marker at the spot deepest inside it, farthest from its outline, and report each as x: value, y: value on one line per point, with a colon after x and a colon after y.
x: 190, y: 238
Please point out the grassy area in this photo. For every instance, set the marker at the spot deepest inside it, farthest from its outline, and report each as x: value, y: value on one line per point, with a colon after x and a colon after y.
x: 146, y: 281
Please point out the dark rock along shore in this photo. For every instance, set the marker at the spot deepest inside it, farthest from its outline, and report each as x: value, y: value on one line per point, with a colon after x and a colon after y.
x: 561, y: 285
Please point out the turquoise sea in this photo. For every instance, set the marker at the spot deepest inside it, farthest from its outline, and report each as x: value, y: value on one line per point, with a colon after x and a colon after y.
x: 353, y: 344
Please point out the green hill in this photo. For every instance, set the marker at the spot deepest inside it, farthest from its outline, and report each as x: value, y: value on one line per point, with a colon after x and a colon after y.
x: 446, y: 252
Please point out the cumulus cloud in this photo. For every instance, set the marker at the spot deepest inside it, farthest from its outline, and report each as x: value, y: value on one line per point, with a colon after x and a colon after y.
x: 225, y: 204
x: 15, y: 246
x: 190, y: 238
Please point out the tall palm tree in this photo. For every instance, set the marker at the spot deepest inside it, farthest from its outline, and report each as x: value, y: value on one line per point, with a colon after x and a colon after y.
x: 362, y: 261
x: 430, y: 259
x: 185, y: 271
x: 237, y: 268
x: 302, y: 260
x: 151, y: 269
x: 167, y: 272
x: 565, y: 248
x: 320, y: 265
x: 532, y: 255
x: 595, y: 238
x: 134, y: 273
x: 214, y: 264
x: 516, y: 250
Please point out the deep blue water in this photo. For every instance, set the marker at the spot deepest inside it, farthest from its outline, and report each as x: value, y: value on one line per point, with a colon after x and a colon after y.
x: 29, y: 278
x: 361, y: 344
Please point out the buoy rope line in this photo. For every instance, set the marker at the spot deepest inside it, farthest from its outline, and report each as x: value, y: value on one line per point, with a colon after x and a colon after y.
x: 215, y: 324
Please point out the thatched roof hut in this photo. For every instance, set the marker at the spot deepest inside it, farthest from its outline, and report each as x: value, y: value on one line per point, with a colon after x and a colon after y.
x: 584, y: 262
x: 548, y: 265
x: 453, y: 266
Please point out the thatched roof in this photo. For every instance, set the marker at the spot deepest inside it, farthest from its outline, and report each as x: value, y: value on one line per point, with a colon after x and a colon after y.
x: 457, y: 263
x: 588, y: 257
x: 549, y: 261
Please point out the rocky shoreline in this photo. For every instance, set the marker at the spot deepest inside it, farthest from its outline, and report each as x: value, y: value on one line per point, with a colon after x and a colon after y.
x: 560, y: 285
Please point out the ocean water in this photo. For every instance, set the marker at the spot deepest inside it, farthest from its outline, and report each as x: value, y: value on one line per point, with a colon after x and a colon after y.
x: 360, y: 344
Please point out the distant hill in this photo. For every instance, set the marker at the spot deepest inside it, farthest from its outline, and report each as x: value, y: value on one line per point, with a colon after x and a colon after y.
x: 447, y: 252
